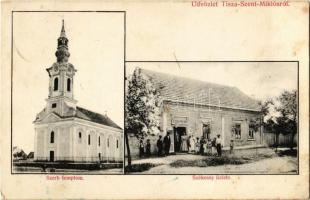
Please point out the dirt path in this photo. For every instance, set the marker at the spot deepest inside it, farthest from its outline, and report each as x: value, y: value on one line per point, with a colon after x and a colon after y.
x: 267, y: 166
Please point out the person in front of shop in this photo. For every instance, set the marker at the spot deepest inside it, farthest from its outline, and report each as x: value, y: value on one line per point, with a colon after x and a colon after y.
x: 219, y: 145
x: 213, y: 146
x: 192, y: 144
x: 148, y: 148
x: 184, y: 146
x: 159, y: 146
x: 141, y: 148
x: 167, y: 143
x: 201, y: 148
x: 197, y: 145
x: 231, y: 146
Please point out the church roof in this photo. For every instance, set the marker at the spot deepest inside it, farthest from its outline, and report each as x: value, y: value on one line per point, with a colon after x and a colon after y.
x: 83, y: 113
x: 180, y: 89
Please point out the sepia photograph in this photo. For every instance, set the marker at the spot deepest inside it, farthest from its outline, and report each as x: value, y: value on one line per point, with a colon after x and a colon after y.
x: 154, y: 99
x: 211, y: 118
x: 67, y: 113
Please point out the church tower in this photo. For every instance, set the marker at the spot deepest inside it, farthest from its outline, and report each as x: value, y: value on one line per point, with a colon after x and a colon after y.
x: 61, y: 78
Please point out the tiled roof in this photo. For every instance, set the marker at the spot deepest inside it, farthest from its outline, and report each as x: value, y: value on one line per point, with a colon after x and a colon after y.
x: 81, y: 113
x: 95, y: 117
x: 180, y: 89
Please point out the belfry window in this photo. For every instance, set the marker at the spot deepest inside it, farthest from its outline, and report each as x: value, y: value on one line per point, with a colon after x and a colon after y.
x: 52, y: 137
x: 80, y: 137
x: 56, y: 84
x: 68, y: 84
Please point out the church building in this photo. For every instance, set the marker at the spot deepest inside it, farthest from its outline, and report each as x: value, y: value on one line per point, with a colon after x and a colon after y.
x: 67, y: 132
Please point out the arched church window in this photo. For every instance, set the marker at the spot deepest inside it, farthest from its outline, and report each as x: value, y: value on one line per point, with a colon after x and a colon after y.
x: 68, y: 84
x: 117, y: 144
x: 99, y: 141
x: 88, y: 139
x: 108, y: 142
x: 56, y: 84
x: 52, y: 137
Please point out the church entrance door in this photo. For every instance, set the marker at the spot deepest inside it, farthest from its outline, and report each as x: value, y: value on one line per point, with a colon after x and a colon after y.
x: 52, y: 156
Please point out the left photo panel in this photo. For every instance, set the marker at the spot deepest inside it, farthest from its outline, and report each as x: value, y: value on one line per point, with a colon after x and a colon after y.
x: 67, y: 92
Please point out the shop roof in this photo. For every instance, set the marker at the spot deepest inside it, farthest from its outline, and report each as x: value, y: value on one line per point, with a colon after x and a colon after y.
x: 180, y: 89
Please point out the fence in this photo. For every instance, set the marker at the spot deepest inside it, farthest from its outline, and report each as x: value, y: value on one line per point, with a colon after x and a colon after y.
x: 102, y: 159
x: 283, y: 140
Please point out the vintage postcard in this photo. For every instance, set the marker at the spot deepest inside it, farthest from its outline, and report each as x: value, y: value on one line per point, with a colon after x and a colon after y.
x: 154, y: 99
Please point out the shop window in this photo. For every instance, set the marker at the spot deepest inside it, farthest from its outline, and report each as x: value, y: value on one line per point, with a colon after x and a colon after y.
x: 237, y: 131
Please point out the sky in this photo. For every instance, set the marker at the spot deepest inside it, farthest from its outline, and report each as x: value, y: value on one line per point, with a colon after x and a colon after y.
x: 259, y: 80
x: 97, y: 52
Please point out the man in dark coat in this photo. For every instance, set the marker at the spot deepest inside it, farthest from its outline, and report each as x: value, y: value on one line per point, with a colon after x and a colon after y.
x: 141, y: 148
x: 148, y: 148
x: 167, y: 143
x: 159, y: 146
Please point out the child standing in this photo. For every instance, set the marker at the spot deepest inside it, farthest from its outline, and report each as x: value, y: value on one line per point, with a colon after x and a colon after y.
x: 231, y: 145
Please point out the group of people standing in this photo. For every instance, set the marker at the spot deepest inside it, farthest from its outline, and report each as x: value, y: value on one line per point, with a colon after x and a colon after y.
x: 202, y: 146
x: 163, y: 146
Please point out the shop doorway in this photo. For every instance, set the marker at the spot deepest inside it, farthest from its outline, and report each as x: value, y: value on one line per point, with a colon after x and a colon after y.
x: 178, y: 133
x: 206, y: 130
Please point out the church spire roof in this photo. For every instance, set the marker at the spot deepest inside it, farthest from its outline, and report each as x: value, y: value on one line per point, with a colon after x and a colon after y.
x: 63, y: 32
x: 62, y: 52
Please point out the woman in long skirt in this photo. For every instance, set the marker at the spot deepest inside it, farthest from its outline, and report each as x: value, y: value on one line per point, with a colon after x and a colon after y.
x: 184, y: 147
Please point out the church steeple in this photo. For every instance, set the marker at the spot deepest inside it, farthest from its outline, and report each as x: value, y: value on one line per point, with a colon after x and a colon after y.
x: 61, y: 75
x: 63, y: 32
x: 62, y: 52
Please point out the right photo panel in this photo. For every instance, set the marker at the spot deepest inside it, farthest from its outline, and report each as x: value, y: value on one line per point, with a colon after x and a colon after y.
x: 192, y: 117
